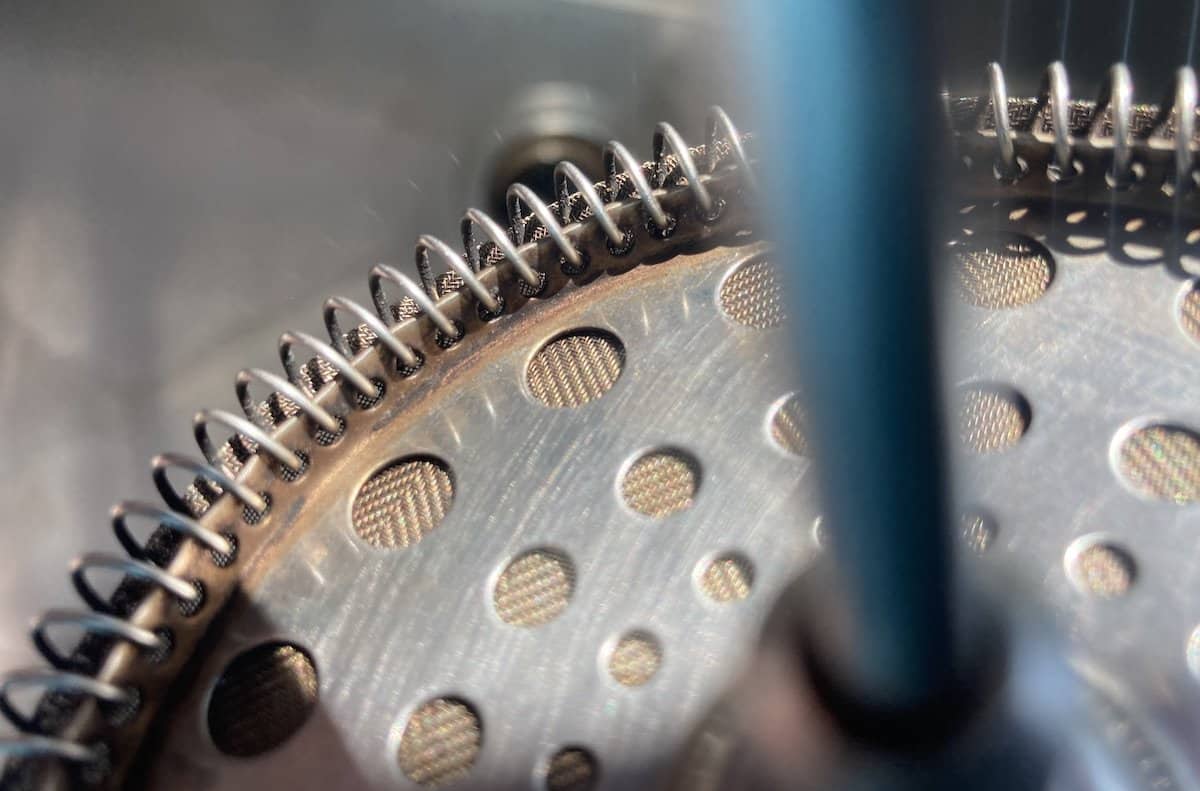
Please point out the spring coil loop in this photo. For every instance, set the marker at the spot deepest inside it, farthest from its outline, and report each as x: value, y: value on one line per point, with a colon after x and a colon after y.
x: 1113, y: 121
x: 254, y: 433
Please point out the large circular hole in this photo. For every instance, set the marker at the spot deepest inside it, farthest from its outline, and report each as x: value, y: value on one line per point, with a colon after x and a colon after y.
x: 440, y: 743
x: 992, y: 418
x: 575, y: 368
x: 1003, y: 271
x: 402, y: 502
x: 1161, y: 461
x: 634, y: 659
x: 661, y: 482
x: 534, y: 588
x: 752, y: 295
x: 261, y: 699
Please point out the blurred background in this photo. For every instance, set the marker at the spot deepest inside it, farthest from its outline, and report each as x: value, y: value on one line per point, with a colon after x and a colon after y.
x: 179, y: 183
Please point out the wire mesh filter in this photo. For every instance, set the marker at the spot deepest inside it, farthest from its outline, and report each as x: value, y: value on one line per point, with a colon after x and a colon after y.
x: 571, y: 769
x: 753, y: 295
x: 660, y: 483
x: 787, y: 426
x: 575, y: 368
x: 1003, y: 272
x: 991, y: 419
x: 440, y: 742
x: 1101, y: 569
x: 1164, y: 462
x: 977, y: 531
x: 727, y: 578
x: 402, y: 502
x: 1189, y: 311
x: 634, y: 659
x: 534, y: 589
x: 261, y: 699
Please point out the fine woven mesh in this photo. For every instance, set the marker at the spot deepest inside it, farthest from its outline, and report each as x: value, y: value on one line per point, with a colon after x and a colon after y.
x: 634, y: 659
x: 1163, y: 462
x: 262, y: 698
x: 990, y: 420
x: 726, y: 579
x: 1189, y: 312
x: 787, y: 426
x: 1003, y: 273
x: 534, y: 589
x: 753, y: 295
x: 977, y: 531
x: 440, y: 743
x: 1104, y: 570
x: 659, y: 484
x: 574, y: 369
x: 399, y: 504
x: 571, y: 769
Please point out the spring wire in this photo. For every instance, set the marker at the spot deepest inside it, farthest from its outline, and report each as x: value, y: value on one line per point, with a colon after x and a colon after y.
x: 529, y: 218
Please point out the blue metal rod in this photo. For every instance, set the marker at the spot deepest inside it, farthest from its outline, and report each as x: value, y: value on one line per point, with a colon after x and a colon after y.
x: 850, y: 121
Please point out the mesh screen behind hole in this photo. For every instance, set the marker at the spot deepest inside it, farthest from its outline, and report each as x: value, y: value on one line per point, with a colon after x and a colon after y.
x: 634, y: 659
x: 404, y: 501
x: 752, y: 295
x: 991, y: 419
x: 1004, y: 271
x: 440, y: 743
x: 263, y: 697
x: 575, y: 368
x: 661, y: 483
x: 534, y: 588
x: 571, y: 769
x: 1163, y: 462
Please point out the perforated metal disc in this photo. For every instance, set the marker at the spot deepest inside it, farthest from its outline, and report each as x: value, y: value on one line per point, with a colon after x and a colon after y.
x: 630, y: 490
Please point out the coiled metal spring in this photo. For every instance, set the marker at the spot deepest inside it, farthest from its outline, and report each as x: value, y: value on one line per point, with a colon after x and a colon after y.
x: 299, y: 394
x: 1112, y: 122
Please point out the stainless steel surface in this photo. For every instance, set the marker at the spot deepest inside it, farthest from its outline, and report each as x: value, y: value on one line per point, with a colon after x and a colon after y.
x: 390, y: 629
x: 179, y: 180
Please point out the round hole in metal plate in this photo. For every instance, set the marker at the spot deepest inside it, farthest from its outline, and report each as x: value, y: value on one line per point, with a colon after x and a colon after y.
x: 262, y: 698
x: 1099, y: 567
x: 992, y: 417
x: 1002, y: 270
x: 634, y: 658
x: 1159, y: 460
x: 534, y: 588
x: 575, y: 368
x: 402, y: 502
x: 752, y: 295
x: 728, y: 577
x: 572, y: 769
x: 440, y: 743
x: 661, y: 482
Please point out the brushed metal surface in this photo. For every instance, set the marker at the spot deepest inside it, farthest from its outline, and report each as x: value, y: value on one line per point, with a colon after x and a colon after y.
x: 178, y: 181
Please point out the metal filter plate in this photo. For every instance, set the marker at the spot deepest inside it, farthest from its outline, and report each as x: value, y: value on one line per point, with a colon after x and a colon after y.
x: 550, y: 618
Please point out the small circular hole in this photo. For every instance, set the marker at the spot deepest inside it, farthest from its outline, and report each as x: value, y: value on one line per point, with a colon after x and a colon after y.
x: 572, y: 769
x: 1160, y: 461
x: 661, y: 232
x: 440, y: 743
x: 634, y: 659
x: 190, y: 607
x: 226, y: 559
x: 978, y: 531
x: 534, y: 588
x: 166, y: 644
x: 751, y: 294
x: 369, y: 402
x: 626, y: 245
x: 325, y: 438
x: 787, y: 425
x: 992, y: 418
x: 289, y: 475
x: 727, y: 578
x: 661, y: 482
x: 1099, y: 568
x: 252, y: 517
